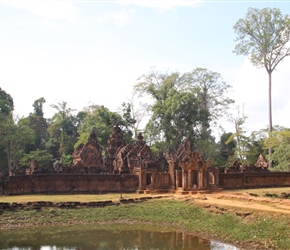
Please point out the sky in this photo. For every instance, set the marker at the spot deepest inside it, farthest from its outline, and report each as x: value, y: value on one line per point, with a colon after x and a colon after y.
x: 93, y: 52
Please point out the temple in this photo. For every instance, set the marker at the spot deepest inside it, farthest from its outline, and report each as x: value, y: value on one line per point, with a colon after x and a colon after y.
x: 182, y: 170
x: 133, y: 167
x: 88, y: 155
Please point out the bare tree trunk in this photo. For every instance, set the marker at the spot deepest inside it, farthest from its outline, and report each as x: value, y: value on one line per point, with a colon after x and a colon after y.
x: 239, y: 142
x: 270, y: 115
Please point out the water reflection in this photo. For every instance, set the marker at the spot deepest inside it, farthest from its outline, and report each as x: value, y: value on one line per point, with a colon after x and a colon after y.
x: 121, y: 237
x: 221, y: 246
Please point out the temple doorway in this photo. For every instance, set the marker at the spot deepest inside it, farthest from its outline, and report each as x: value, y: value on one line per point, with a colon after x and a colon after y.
x: 178, y: 178
x: 148, y: 179
x: 194, y: 179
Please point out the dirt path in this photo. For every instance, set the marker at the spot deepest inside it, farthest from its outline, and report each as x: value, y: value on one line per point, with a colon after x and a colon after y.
x: 242, y: 200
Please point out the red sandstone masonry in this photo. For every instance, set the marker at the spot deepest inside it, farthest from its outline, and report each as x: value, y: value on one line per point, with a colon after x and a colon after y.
x: 254, y: 180
x: 69, y: 184
x: 78, y: 183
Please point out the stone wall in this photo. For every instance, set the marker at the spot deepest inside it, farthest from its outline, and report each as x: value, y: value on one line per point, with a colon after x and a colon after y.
x: 105, y: 183
x: 254, y: 180
x: 69, y: 183
x: 161, y: 182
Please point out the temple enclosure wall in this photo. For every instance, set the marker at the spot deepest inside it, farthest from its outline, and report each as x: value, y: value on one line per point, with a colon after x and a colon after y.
x: 132, y: 168
x: 105, y: 183
x: 69, y: 183
x: 254, y: 180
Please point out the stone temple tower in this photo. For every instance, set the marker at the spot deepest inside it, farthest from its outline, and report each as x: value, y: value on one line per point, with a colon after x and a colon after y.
x: 115, y: 141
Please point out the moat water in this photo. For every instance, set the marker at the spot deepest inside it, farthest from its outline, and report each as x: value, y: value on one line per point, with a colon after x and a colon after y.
x: 89, y: 237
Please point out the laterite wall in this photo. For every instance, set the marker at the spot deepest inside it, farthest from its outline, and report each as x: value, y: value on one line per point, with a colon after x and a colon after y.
x: 96, y: 183
x: 254, y: 180
x: 69, y: 183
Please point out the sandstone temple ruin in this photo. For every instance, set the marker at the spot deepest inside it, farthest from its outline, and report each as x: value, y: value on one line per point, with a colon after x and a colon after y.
x: 181, y: 169
x: 133, y: 168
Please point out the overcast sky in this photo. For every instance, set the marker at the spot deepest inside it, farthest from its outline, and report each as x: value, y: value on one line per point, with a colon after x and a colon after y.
x: 92, y: 52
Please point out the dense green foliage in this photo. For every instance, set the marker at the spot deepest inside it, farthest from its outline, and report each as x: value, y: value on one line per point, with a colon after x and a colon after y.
x: 103, y: 120
x: 6, y: 126
x: 280, y: 142
x: 185, y: 106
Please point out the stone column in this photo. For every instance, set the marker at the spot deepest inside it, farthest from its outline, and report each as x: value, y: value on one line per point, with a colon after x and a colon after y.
x: 184, y: 180
x: 205, y: 179
x: 172, y: 175
x: 200, y: 179
x: 142, y: 180
x: 217, y: 177
x: 177, y: 174
x: 189, y: 179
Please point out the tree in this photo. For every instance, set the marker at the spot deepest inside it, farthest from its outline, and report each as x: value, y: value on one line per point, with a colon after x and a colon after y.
x: 175, y: 113
x: 213, y: 103
x: 184, y: 105
x: 20, y: 136
x: 256, y: 145
x: 264, y: 36
x: 211, y: 92
x: 41, y: 158
x: 128, y: 116
x: 6, y: 123
x: 226, y: 150
x: 7, y: 126
x: 6, y: 103
x: 280, y: 142
x: 39, y: 124
x: 240, y: 138
x: 134, y: 113
x: 103, y: 120
x: 38, y: 106
x: 62, y: 130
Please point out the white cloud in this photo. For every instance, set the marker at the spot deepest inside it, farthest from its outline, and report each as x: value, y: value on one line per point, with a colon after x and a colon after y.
x: 52, y: 10
x: 119, y: 18
x: 162, y: 5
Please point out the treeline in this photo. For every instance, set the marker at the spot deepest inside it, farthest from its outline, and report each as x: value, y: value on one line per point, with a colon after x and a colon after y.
x: 181, y: 106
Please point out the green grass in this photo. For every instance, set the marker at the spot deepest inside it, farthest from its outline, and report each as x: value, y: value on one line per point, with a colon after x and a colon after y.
x: 255, y: 229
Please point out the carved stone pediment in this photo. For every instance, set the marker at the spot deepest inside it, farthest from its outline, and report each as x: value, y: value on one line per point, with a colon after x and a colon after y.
x: 261, y: 162
x: 161, y: 162
x: 190, y: 160
x: 89, y: 154
x: 184, y: 150
x: 133, y: 159
x: 145, y: 153
x: 120, y: 162
x: 115, y: 141
x: 134, y: 156
x: 76, y: 154
x: 171, y: 155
